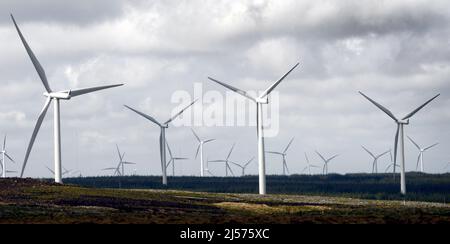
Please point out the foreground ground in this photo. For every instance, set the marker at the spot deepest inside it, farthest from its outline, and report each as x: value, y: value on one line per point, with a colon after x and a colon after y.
x: 33, y: 201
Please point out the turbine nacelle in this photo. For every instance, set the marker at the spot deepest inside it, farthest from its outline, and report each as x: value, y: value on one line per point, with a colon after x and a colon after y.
x: 59, y: 95
x: 403, y: 122
x: 263, y: 100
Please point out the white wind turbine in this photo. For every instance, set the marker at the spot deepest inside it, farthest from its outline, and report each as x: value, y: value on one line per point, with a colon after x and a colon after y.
x: 399, y: 134
x: 226, y: 161
x: 51, y: 95
x: 262, y: 99
x: 283, y: 155
x: 5, y: 154
x: 375, y: 159
x: 325, y: 162
x: 122, y: 163
x: 392, y: 164
x: 243, y: 166
x: 207, y: 168
x: 162, y: 137
x: 173, y: 159
x: 421, y: 151
x: 200, y: 148
x: 309, y: 165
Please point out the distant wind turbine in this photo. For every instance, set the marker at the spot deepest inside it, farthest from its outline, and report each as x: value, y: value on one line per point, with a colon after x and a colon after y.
x: 262, y: 99
x: 119, y: 170
x: 421, y: 152
x: 207, y: 168
x: 200, y: 148
x: 243, y: 166
x: 55, y: 96
x: 162, y: 136
x: 392, y: 165
x: 325, y: 162
x: 375, y: 159
x: 399, y: 134
x: 5, y: 154
x: 173, y: 159
x: 447, y: 166
x: 283, y: 156
x: 309, y: 165
x: 226, y: 161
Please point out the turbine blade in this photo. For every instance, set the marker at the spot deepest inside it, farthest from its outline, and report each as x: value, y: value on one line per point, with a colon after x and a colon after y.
x: 168, y: 148
x: 396, y: 144
x: 413, y: 142
x: 241, y: 92
x: 33, y: 58
x: 418, y: 161
x: 332, y: 157
x: 144, y: 115
x: 198, y: 149
x: 4, y: 143
x: 266, y: 92
x: 385, y: 110
x: 367, y: 150
x: 178, y: 114
x: 34, y: 134
x: 435, y: 144
x: 320, y: 155
x: 77, y: 92
x: 12, y: 160
x: 53, y: 172
x: 420, y: 107
x: 383, y: 153
x: 249, y: 161
x: 118, y: 152
x: 210, y: 140
x: 307, y: 159
x: 272, y: 152
x: 289, y: 144
x: 196, y: 136
x: 231, y: 150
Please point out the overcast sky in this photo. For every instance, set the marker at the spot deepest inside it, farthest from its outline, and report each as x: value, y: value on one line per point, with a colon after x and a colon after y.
x: 397, y: 52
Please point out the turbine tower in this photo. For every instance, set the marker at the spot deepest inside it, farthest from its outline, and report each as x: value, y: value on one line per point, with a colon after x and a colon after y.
x: 262, y: 99
x: 122, y: 163
x: 325, y: 162
x: 309, y: 165
x: 173, y: 159
x: 421, y: 151
x: 226, y: 161
x: 5, y: 154
x: 55, y: 96
x: 243, y: 166
x: 283, y: 156
x: 200, y: 148
x: 162, y: 137
x: 375, y: 159
x: 399, y: 134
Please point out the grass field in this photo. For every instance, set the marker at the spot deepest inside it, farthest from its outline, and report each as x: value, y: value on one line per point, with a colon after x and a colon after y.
x: 35, y: 201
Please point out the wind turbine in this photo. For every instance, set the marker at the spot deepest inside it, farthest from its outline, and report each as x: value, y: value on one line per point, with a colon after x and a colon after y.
x: 207, y: 168
x: 53, y: 172
x: 375, y: 159
x: 392, y: 164
x: 200, y: 147
x: 447, y: 166
x: 421, y: 151
x: 226, y: 161
x: 309, y: 165
x: 243, y: 166
x: 283, y: 155
x: 119, y: 170
x: 5, y: 154
x: 162, y: 136
x: 51, y: 95
x: 325, y: 162
x: 262, y: 99
x: 399, y: 134
x: 173, y: 159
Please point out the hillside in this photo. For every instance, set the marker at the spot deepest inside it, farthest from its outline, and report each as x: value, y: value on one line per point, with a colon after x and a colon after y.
x: 34, y: 201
